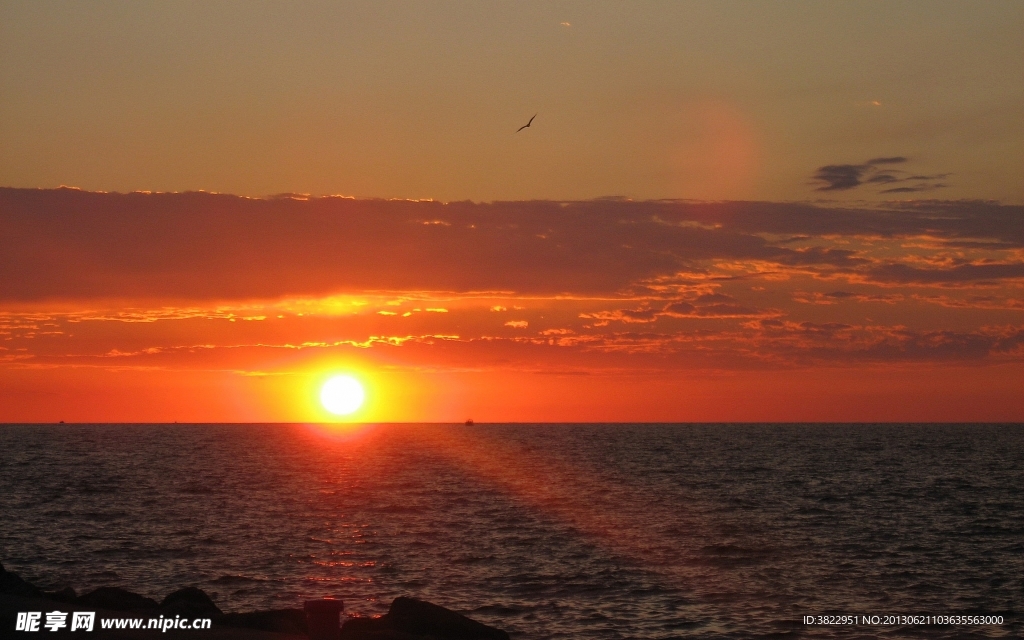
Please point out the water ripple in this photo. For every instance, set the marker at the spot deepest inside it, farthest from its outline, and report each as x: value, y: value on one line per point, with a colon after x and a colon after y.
x: 549, y: 531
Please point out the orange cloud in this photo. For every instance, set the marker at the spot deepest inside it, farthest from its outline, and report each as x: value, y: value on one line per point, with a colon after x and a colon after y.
x: 216, y: 292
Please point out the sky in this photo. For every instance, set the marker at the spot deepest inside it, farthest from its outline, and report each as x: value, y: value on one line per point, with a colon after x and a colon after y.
x: 721, y: 212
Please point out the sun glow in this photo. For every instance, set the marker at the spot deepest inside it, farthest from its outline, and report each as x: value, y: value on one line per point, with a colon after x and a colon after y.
x: 342, y: 395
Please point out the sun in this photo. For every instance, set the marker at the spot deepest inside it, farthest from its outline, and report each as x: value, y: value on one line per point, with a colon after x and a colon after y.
x: 342, y: 395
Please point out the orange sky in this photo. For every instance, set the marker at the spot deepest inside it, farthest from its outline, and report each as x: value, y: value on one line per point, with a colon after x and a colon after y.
x: 722, y: 211
x: 203, y: 307
x: 643, y: 99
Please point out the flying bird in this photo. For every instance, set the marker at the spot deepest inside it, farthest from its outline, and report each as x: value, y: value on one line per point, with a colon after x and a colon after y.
x: 527, y: 124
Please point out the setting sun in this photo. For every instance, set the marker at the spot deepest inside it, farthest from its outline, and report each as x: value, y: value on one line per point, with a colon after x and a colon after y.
x: 342, y: 395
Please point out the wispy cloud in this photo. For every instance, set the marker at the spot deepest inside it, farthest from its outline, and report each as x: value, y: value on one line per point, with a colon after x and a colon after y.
x: 877, y: 171
x: 125, y: 280
x: 839, y: 177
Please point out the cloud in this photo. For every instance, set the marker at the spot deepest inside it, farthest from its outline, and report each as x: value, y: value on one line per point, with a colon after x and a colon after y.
x: 74, y: 245
x: 835, y: 297
x: 642, y: 315
x: 842, y: 177
x: 707, y: 328
x: 891, y: 160
x: 916, y: 188
x: 838, y: 342
x: 907, y: 274
x: 839, y: 177
x: 974, y: 302
x: 695, y: 305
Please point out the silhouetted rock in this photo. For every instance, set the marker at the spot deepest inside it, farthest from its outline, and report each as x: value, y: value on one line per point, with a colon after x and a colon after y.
x: 407, y: 619
x: 323, y: 618
x: 117, y: 599
x: 411, y: 619
x: 279, y: 620
x: 11, y: 584
x: 371, y: 629
x: 417, y: 617
x: 190, y: 602
x: 67, y: 594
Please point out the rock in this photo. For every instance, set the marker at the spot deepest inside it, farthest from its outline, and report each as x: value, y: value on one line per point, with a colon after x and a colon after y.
x: 190, y: 602
x: 323, y: 618
x: 359, y: 628
x: 407, y: 619
x: 411, y: 619
x: 117, y: 599
x: 426, y: 619
x: 279, y: 620
x: 67, y: 594
x: 11, y: 584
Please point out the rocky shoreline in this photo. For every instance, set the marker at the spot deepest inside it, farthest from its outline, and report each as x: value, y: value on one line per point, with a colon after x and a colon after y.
x: 407, y: 618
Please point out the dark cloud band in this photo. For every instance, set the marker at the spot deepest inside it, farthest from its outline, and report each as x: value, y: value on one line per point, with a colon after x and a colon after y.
x: 843, y: 177
x: 80, y: 245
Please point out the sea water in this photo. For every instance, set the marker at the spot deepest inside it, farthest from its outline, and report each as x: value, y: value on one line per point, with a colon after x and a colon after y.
x: 547, y: 531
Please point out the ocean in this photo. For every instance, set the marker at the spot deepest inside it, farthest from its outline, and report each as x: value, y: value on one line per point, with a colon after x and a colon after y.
x: 545, y: 530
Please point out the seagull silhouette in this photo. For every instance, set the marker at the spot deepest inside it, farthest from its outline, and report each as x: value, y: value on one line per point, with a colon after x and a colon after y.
x: 527, y: 124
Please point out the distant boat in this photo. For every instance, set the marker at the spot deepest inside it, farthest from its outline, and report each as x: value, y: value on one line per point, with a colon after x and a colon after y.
x: 469, y: 423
